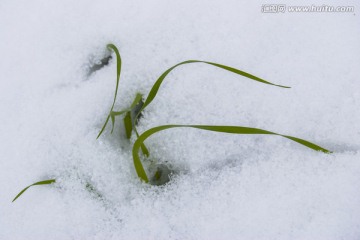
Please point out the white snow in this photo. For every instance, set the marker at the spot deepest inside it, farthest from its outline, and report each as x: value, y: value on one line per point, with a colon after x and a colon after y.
x: 229, y: 186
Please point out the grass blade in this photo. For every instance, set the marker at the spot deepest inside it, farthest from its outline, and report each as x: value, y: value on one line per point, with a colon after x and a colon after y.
x: 103, y: 128
x: 159, y: 81
x: 113, y: 115
x: 118, y: 71
x: 128, y: 125
x: 136, y: 101
x: 112, y: 122
x: 223, y: 129
x: 129, y: 119
x: 50, y: 181
x: 119, y: 113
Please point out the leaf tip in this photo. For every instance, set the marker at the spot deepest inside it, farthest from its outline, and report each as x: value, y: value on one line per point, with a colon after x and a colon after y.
x: 283, y: 86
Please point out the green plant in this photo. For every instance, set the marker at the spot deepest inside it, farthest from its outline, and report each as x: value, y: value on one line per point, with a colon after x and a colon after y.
x: 46, y: 182
x: 133, y: 112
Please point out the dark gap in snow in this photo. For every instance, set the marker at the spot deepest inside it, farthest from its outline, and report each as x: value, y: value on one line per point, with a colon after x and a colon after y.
x: 98, y: 64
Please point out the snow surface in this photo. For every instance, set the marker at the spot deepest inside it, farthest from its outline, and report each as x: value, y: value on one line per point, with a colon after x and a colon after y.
x: 229, y: 187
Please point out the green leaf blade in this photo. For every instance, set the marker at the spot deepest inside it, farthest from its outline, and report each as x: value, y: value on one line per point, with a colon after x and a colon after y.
x: 128, y: 125
x: 103, y: 128
x: 223, y: 129
x: 159, y: 81
x: 118, y: 71
x: 155, y: 88
x: 307, y: 144
x: 245, y: 74
x: 45, y: 182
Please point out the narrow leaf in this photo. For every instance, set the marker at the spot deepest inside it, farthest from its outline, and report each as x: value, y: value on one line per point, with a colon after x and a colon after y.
x: 156, y: 86
x: 50, y: 181
x: 135, y: 108
x: 128, y: 125
x: 223, y: 129
x: 159, y: 81
x: 118, y: 71
x: 136, y: 101
x: 103, y: 128
x: 113, y: 113
x: 112, y: 122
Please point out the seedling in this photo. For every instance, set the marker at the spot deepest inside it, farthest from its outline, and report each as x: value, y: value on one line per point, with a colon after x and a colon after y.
x: 133, y: 112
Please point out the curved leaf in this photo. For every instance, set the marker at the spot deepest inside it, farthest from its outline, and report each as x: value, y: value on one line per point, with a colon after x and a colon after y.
x: 50, y: 181
x: 118, y: 71
x: 156, y: 86
x: 159, y: 81
x: 224, y: 129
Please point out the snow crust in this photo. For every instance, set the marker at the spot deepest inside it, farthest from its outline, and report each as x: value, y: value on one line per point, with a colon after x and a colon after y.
x: 228, y: 187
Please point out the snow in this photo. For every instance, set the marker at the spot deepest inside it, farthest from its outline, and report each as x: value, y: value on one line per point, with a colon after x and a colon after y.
x: 227, y: 187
